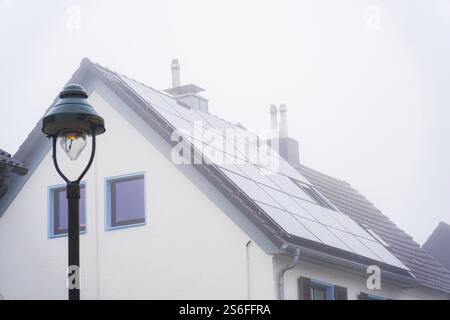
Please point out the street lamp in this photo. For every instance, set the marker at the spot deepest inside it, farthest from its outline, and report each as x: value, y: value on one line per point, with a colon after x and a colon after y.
x: 72, y: 120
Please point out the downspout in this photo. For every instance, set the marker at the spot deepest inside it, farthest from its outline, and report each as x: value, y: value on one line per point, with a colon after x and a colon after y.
x: 281, y: 272
x: 247, y: 253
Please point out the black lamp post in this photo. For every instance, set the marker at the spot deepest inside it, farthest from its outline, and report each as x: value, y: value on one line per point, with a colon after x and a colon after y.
x: 71, y: 120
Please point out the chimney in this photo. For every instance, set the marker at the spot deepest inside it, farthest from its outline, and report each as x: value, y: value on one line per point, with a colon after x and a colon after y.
x: 175, y: 73
x: 283, y: 121
x: 273, y: 117
x: 186, y: 95
x: 287, y: 147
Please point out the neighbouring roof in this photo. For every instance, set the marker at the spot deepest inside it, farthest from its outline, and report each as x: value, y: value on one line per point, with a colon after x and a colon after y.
x: 275, y: 204
x: 429, y: 272
x: 438, y: 244
x: 15, y: 165
x: 9, y: 165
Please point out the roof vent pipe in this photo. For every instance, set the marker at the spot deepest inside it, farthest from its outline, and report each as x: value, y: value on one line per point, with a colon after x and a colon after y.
x: 273, y: 117
x: 186, y: 95
x: 175, y: 73
x: 274, y: 136
x: 283, y: 121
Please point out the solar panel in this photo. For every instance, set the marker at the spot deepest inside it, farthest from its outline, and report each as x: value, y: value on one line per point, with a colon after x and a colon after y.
x: 231, y: 167
x: 214, y: 122
x: 185, y: 112
x: 288, y: 186
x: 286, y: 202
x: 217, y: 140
x: 231, y: 158
x: 149, y: 95
x: 287, y: 222
x: 179, y: 123
x: 383, y: 253
x: 321, y: 232
x: 245, y: 136
x: 241, y: 149
x: 349, y: 224
x: 251, y: 189
x: 255, y: 174
x: 322, y: 215
x: 355, y: 245
x: 288, y: 170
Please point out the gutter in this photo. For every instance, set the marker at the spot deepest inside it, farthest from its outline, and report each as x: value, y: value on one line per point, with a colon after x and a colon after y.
x: 283, y: 269
x: 406, y: 280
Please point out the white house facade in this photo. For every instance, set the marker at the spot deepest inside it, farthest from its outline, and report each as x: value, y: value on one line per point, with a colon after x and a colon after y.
x: 154, y: 229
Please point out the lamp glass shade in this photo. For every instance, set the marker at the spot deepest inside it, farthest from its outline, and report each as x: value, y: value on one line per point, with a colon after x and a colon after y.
x: 73, y: 143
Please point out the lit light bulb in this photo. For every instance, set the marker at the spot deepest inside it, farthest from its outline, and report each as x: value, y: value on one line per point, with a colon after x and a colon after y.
x: 73, y: 143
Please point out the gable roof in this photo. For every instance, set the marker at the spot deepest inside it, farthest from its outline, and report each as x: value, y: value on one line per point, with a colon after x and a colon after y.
x: 257, y: 199
x: 438, y: 244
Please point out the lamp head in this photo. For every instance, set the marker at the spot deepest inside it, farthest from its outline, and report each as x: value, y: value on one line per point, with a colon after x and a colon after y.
x: 72, y: 119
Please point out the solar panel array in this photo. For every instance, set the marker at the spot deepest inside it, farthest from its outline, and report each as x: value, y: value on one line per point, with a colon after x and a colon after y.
x: 274, y: 190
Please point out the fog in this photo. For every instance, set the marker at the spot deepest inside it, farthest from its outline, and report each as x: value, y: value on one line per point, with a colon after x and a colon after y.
x: 365, y: 82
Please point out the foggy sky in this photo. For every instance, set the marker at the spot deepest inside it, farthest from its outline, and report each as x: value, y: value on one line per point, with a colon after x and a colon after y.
x: 365, y: 82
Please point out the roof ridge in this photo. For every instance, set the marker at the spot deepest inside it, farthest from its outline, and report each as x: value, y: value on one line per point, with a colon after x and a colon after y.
x: 157, y: 90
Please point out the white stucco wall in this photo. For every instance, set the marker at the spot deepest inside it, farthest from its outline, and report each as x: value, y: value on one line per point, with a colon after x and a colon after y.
x: 195, y: 245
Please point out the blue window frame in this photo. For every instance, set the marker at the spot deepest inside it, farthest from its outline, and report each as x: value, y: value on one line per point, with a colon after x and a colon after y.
x: 373, y: 297
x: 58, y: 211
x: 321, y: 290
x: 125, y: 201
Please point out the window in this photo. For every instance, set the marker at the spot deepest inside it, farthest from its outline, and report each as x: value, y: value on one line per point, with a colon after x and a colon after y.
x: 314, y: 195
x: 317, y: 290
x: 58, y: 211
x: 125, y: 201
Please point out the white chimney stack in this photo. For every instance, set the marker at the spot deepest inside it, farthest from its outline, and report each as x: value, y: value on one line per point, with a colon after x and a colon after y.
x: 285, y: 146
x: 274, y: 139
x: 175, y: 73
x: 186, y: 95
x: 273, y: 117
x: 283, y: 121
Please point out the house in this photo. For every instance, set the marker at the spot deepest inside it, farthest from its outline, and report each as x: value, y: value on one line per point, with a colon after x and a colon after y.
x: 8, y: 165
x: 437, y: 244
x: 180, y: 204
